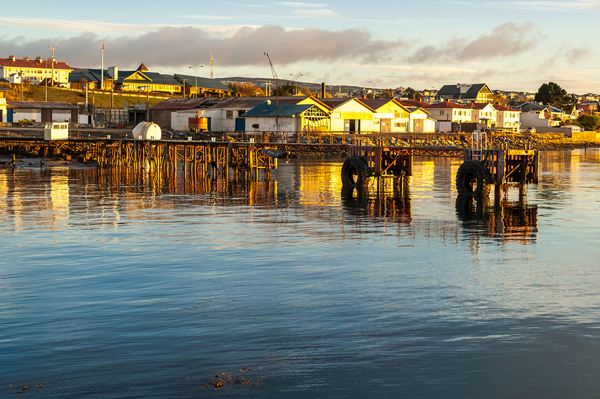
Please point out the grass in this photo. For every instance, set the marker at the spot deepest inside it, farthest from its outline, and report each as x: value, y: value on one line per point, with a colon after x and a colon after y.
x: 38, y: 93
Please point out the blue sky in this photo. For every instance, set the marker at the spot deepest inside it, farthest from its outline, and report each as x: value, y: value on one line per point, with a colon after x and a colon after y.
x: 511, y: 45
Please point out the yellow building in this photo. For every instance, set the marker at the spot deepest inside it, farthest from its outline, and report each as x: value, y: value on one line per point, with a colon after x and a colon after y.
x: 3, y: 104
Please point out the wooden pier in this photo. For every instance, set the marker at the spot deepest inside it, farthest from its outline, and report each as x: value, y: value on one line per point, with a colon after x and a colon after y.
x: 165, y: 155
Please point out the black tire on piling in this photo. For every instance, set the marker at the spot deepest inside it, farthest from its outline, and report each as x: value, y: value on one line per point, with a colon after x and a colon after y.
x: 473, y: 179
x: 355, y: 172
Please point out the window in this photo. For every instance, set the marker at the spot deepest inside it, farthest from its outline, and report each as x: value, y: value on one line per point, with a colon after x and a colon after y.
x: 441, y: 112
x: 241, y: 112
x: 229, y: 115
x: 376, y: 122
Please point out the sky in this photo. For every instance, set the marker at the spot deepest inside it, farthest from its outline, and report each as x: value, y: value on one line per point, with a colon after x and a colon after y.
x: 510, y: 45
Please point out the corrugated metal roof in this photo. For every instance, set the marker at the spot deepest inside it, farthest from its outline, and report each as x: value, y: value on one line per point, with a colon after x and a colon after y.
x: 39, y: 105
x: 78, y: 74
x: 250, y: 102
x: 186, y: 103
x: 281, y: 110
x: 203, y: 83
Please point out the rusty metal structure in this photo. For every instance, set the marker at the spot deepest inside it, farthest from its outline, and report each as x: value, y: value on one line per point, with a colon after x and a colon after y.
x: 502, y: 168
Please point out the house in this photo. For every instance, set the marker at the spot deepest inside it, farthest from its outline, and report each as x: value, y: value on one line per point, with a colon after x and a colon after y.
x: 507, y: 118
x: 390, y: 115
x: 484, y: 114
x: 350, y: 115
x: 420, y: 120
x: 35, y: 71
x: 143, y: 80
x: 227, y: 114
x: 81, y: 78
x: 41, y: 111
x: 268, y: 117
x: 451, y: 117
x: 589, y: 108
x: 170, y: 113
x: 538, y: 115
x: 478, y: 93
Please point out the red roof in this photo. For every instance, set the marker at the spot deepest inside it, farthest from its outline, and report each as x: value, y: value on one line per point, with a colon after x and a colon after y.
x: 503, y: 108
x: 26, y: 63
x: 414, y: 103
x: 479, y: 105
x: 448, y: 104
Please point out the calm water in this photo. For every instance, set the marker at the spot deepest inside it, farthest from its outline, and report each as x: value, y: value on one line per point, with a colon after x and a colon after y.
x: 133, y: 287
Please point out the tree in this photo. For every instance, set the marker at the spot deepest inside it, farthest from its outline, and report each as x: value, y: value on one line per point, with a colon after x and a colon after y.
x: 245, y: 89
x: 551, y: 94
x: 412, y: 94
x: 589, y: 122
x: 570, y: 103
x: 287, y: 89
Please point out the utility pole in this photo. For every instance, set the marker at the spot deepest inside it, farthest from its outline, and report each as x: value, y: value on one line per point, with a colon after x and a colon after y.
x: 52, y: 48
x: 196, y: 85
x: 276, y: 92
x: 296, y: 80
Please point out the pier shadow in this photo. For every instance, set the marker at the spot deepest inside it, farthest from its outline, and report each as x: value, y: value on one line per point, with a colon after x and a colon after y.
x: 500, y: 219
x: 393, y: 206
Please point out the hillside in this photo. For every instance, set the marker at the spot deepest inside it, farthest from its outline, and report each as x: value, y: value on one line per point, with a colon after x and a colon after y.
x: 38, y: 93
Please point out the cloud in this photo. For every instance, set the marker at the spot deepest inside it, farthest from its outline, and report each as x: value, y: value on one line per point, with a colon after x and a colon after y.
x: 506, y: 40
x: 207, y: 17
x: 301, y: 5
x: 328, y: 14
x: 549, y: 5
x: 183, y: 46
x: 102, y: 27
x: 576, y: 54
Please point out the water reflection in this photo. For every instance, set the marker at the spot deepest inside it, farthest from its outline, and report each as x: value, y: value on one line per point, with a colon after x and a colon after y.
x: 497, y: 218
x: 395, y: 206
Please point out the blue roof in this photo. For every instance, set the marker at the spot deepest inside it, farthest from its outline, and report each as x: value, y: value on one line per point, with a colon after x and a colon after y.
x: 283, y: 109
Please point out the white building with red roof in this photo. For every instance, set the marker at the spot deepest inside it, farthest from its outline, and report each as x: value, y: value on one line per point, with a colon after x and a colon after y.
x: 34, y: 71
x: 448, y: 111
x: 484, y: 114
x: 507, y: 118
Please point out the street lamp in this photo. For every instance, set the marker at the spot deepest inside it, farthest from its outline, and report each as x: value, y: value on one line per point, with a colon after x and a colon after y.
x: 196, y: 85
x: 276, y: 92
x: 374, y: 83
x: 296, y: 80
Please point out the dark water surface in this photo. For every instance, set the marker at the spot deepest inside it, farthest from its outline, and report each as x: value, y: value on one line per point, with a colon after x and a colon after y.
x: 147, y: 289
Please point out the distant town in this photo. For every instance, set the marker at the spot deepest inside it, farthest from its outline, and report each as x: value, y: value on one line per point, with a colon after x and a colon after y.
x: 261, y: 105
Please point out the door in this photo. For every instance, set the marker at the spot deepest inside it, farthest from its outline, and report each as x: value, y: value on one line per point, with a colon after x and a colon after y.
x: 46, y: 115
x: 351, y: 125
x: 385, y: 125
x: 418, y: 125
x: 9, y: 117
x: 240, y: 124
